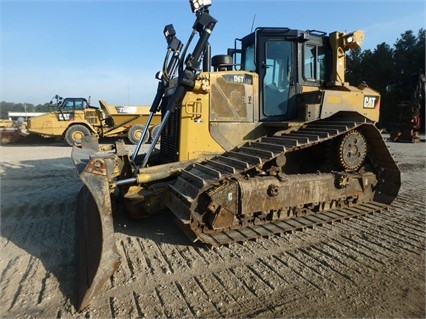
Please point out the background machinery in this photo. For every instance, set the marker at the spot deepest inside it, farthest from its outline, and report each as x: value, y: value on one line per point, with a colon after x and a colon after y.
x: 411, y: 113
x: 12, y: 131
x: 75, y: 118
x: 266, y: 139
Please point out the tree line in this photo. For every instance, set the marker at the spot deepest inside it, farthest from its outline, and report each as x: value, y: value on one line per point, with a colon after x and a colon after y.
x: 390, y: 70
x: 6, y: 107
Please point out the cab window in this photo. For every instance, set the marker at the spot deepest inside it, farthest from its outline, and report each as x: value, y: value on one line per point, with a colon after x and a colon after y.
x: 314, y: 68
x: 277, y: 77
x: 80, y: 104
x: 74, y: 104
x: 68, y: 105
x: 248, y: 63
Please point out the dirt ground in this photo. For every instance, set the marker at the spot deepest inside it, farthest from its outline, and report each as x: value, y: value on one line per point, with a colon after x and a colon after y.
x: 368, y: 267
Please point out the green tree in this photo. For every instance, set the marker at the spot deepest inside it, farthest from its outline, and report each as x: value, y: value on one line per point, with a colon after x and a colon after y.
x: 6, y: 107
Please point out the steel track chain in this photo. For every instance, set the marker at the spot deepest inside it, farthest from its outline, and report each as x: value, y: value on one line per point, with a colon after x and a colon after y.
x: 197, y: 178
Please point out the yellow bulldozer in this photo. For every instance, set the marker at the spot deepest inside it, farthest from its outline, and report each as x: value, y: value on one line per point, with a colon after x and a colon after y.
x: 266, y: 139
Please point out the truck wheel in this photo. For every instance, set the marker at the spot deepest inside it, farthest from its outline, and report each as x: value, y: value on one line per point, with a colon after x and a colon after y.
x: 75, y: 134
x: 135, y: 133
x: 154, y: 131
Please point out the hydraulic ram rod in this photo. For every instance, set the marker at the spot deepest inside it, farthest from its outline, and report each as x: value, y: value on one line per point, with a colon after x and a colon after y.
x: 204, y: 25
x: 174, y: 45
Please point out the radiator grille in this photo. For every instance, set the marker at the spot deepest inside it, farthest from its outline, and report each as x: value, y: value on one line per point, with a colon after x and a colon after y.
x: 169, y: 148
x: 91, y: 117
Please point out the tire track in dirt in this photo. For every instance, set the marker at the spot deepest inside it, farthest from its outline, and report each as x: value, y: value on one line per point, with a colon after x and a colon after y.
x: 248, y: 287
x: 370, y: 266
x: 37, y: 228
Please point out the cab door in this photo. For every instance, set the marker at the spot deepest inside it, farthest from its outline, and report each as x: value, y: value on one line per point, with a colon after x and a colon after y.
x: 276, y: 74
x: 72, y: 110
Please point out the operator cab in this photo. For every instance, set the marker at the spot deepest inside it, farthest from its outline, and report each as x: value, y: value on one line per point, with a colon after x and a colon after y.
x: 72, y: 104
x: 286, y: 61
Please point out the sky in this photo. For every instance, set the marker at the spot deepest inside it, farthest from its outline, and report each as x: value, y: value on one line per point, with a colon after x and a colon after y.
x: 111, y: 50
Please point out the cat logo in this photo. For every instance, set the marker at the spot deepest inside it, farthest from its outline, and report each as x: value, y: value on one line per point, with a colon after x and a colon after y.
x: 370, y: 102
x: 64, y: 116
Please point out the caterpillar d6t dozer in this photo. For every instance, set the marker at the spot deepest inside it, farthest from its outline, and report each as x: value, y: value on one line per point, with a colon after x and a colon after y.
x: 265, y: 139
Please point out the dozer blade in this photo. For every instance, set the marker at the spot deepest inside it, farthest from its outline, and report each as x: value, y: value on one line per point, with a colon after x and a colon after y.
x: 97, y: 257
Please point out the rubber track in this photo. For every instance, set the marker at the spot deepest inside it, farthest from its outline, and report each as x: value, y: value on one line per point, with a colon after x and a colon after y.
x: 197, y: 178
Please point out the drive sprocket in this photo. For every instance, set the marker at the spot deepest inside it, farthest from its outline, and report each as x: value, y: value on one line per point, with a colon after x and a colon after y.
x: 352, y: 150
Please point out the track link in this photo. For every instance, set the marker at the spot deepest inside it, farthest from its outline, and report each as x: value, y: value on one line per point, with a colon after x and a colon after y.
x: 290, y: 225
x: 200, y: 177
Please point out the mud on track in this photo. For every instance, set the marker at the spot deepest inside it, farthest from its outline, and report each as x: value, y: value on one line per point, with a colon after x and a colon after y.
x: 368, y: 267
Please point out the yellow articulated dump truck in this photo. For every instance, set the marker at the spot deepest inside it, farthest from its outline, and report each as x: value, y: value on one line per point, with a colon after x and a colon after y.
x: 266, y: 139
x: 75, y: 118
